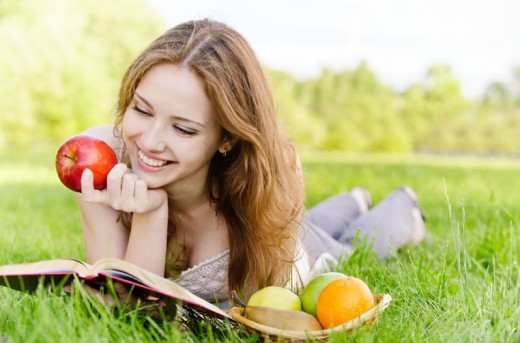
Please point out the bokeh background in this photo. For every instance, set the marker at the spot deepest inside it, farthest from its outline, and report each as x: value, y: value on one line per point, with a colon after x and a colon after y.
x: 397, y: 76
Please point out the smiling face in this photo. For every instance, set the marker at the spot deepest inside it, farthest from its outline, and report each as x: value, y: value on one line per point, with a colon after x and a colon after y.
x: 170, y: 130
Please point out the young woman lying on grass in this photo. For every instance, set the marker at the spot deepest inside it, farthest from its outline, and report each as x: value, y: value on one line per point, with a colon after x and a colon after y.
x: 209, y: 191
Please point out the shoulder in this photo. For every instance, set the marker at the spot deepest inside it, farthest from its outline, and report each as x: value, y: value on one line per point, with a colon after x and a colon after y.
x: 105, y: 133
x: 292, y: 157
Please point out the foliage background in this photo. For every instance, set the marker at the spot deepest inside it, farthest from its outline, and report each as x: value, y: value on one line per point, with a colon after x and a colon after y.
x: 62, y: 62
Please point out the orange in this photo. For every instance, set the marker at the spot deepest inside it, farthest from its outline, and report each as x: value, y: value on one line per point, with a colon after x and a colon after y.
x: 343, y: 300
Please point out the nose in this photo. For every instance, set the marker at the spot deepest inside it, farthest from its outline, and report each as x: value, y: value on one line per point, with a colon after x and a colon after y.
x: 153, y: 138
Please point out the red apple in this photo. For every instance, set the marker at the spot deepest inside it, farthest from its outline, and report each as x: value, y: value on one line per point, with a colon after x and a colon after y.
x: 81, y: 152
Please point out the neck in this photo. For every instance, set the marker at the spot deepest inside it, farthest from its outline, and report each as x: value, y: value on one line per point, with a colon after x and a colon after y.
x: 185, y: 195
x: 193, y: 212
x: 199, y: 226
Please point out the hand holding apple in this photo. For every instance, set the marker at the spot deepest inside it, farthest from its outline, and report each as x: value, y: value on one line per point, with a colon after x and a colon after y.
x: 125, y: 191
x: 82, y: 152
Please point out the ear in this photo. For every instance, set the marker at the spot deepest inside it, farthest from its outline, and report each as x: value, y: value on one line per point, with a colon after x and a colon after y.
x: 225, y: 146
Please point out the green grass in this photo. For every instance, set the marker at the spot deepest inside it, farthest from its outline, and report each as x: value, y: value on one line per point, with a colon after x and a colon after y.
x: 461, y: 285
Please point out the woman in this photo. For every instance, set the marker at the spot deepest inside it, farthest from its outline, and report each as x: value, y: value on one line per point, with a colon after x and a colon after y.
x: 209, y: 191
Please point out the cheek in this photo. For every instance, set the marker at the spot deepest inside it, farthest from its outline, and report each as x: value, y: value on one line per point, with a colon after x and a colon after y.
x: 190, y: 151
x: 130, y: 125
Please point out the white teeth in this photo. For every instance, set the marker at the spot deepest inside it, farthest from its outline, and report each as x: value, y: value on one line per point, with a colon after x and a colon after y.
x: 150, y: 161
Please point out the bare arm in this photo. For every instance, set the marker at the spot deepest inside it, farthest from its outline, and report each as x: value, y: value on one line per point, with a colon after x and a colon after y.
x: 105, y: 236
x: 147, y: 244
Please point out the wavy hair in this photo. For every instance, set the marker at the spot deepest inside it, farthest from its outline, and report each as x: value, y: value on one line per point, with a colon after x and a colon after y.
x: 256, y: 186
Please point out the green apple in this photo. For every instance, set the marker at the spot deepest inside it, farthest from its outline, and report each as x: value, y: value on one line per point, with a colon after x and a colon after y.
x: 276, y: 297
x: 312, y: 291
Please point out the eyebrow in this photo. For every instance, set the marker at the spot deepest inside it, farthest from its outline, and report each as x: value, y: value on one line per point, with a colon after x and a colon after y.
x: 147, y: 103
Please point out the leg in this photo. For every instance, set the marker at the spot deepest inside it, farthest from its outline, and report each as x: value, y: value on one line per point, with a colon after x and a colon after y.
x: 334, y: 214
x: 394, y: 222
x: 317, y: 241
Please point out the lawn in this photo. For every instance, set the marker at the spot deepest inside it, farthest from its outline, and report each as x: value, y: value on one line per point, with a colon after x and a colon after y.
x: 461, y: 285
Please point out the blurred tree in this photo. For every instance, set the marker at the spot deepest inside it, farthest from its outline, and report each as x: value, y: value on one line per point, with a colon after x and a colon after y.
x: 299, y: 124
x: 433, y: 109
x: 443, y: 93
x: 352, y: 110
x: 360, y: 113
x: 348, y: 111
x: 62, y: 61
x: 516, y: 81
x: 497, y: 94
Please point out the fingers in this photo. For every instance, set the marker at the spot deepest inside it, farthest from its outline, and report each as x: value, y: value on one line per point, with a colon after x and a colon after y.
x: 67, y: 289
x: 102, y: 297
x: 114, y: 180
x: 121, y: 188
x: 113, y: 194
x: 125, y: 191
x: 141, y: 194
x: 124, y: 296
x: 121, y: 296
x: 88, y: 193
x: 87, y: 182
x: 128, y: 185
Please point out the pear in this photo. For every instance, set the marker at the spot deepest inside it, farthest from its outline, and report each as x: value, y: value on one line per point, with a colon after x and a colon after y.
x: 288, y: 320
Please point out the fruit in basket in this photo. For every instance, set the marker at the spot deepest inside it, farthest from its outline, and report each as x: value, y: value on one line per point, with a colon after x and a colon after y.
x: 79, y: 153
x: 290, y: 320
x: 343, y: 300
x: 275, y: 297
x: 312, y: 291
x: 279, y: 308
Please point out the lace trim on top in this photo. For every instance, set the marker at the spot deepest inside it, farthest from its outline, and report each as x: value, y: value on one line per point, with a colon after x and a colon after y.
x: 208, y: 279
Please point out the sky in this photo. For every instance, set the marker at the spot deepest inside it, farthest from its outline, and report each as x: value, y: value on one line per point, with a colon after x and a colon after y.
x: 399, y: 39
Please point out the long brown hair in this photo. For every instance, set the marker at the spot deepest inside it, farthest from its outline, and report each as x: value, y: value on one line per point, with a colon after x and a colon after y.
x: 256, y: 186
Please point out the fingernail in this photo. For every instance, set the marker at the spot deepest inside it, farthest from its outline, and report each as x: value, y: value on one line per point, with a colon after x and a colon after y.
x: 87, y: 174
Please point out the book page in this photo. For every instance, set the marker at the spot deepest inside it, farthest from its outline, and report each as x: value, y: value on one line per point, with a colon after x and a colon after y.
x: 46, y: 267
x: 27, y: 275
x: 160, y: 284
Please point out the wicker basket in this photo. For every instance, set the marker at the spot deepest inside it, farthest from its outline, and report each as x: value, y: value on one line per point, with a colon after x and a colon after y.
x: 273, y: 334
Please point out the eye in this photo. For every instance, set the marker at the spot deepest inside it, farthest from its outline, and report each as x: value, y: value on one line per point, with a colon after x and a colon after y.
x: 141, y: 111
x: 184, y: 131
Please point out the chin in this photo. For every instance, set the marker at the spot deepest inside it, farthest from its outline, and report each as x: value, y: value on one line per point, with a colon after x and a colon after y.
x: 151, y: 182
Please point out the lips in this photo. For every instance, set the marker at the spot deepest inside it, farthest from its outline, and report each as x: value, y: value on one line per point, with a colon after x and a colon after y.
x: 152, y: 162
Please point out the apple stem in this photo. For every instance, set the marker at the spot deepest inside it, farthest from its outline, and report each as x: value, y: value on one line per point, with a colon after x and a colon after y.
x: 68, y: 156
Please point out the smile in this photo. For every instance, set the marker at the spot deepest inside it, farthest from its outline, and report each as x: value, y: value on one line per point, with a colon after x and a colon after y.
x: 152, y: 162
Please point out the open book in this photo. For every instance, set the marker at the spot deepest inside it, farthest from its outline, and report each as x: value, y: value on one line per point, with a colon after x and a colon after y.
x: 26, y: 277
